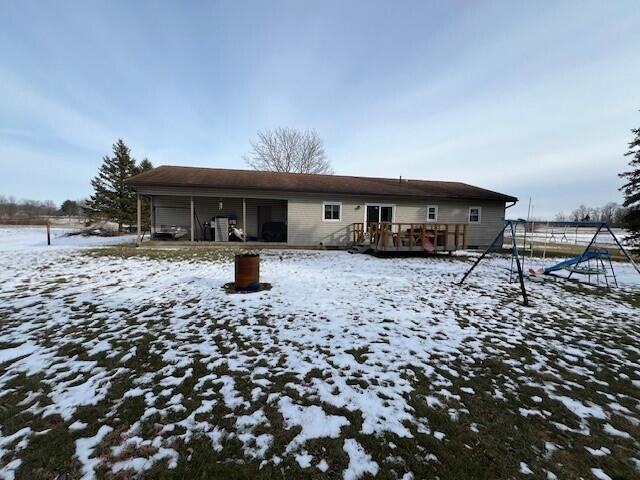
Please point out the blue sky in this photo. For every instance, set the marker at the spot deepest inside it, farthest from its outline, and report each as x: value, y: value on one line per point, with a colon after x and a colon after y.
x: 528, y: 98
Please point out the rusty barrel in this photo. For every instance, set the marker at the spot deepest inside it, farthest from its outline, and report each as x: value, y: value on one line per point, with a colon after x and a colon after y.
x: 247, y: 272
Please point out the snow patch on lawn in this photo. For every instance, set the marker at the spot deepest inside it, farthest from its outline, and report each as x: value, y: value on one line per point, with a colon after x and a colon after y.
x: 611, y: 430
x: 598, y: 452
x: 323, y: 466
x: 524, y: 469
x: 85, y: 452
x: 580, y: 409
x: 599, y: 474
x: 13, y: 353
x: 360, y: 462
x: 315, y: 423
x: 304, y: 459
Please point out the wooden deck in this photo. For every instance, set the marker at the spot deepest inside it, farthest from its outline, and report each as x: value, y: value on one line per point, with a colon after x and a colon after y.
x: 410, y: 237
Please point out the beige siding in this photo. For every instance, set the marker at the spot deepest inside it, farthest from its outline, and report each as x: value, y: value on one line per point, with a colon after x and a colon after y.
x: 307, y: 228
x: 479, y: 235
x: 306, y: 225
x: 303, y: 213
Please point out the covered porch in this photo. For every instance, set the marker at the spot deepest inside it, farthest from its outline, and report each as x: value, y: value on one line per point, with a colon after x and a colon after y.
x: 180, y: 218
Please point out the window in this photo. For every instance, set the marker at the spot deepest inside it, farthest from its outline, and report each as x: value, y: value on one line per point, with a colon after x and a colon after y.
x: 331, y: 211
x: 475, y: 214
x: 432, y: 213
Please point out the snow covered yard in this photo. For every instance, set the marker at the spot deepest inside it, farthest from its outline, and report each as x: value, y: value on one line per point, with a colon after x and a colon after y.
x: 114, y: 363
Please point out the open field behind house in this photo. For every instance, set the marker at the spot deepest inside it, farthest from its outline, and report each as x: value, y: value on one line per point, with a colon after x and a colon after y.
x: 564, y: 241
x: 118, y: 362
x: 34, y: 238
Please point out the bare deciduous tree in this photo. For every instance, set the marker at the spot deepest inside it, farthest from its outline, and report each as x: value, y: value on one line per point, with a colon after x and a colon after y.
x: 607, y: 212
x: 289, y: 150
x: 611, y: 213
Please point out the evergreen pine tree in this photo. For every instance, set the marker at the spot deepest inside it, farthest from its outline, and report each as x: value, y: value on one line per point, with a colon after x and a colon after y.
x: 113, y: 199
x: 144, y: 165
x: 631, y: 191
x: 70, y: 208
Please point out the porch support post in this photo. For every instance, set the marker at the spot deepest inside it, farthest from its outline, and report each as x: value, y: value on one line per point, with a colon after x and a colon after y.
x: 152, y: 218
x: 244, y: 219
x: 139, y: 219
x: 191, y: 220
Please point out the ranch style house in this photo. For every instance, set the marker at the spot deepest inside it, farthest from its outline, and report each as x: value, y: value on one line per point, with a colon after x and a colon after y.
x: 308, y: 210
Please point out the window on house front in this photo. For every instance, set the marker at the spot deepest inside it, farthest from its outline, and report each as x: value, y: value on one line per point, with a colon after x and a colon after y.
x: 432, y: 213
x: 475, y: 214
x: 331, y: 211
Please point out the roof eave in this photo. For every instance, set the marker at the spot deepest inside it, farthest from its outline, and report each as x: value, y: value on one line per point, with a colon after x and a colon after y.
x: 498, y: 197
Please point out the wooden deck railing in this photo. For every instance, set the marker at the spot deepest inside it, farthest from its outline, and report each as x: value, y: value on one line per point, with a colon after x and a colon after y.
x: 388, y: 236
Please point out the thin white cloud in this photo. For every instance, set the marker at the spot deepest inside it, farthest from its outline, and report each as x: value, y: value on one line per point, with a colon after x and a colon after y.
x: 509, y: 96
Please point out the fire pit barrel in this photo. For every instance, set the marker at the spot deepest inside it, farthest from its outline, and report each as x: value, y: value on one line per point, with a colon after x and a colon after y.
x: 247, y: 272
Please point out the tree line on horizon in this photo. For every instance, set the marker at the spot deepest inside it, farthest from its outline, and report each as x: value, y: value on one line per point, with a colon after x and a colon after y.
x: 611, y: 213
x: 16, y: 211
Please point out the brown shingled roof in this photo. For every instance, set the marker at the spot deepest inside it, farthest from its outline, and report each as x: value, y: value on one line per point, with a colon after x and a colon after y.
x: 171, y: 176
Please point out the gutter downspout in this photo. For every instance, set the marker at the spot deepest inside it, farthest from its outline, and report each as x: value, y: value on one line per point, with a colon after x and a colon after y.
x: 505, y: 219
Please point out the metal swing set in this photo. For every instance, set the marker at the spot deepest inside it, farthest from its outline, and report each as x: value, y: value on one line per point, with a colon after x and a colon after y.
x: 592, y: 262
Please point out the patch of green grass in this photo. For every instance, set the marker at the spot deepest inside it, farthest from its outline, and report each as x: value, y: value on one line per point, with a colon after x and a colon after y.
x: 50, y: 455
x: 198, y: 460
x: 13, y: 416
x: 73, y: 349
x: 360, y: 354
x: 182, y: 253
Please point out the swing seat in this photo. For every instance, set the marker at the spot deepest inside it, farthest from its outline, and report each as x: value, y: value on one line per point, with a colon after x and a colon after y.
x: 586, y: 270
x: 536, y: 271
x: 510, y: 270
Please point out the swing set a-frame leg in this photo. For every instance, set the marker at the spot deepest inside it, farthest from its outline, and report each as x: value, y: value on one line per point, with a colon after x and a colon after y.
x: 520, y: 274
x: 514, y: 252
x: 622, y: 249
x: 484, y: 254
